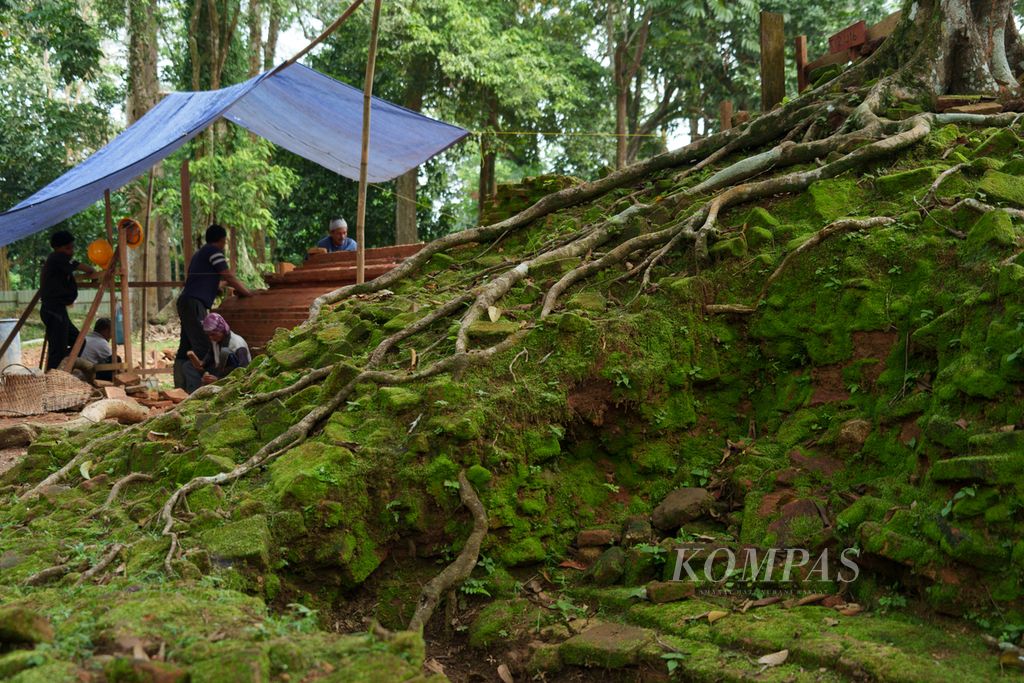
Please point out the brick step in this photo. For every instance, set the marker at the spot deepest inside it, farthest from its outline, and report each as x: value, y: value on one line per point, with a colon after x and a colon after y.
x: 399, y: 252
x: 1000, y: 468
x: 997, y: 442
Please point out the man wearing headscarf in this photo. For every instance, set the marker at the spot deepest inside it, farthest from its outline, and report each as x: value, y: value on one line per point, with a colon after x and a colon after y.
x: 227, y: 352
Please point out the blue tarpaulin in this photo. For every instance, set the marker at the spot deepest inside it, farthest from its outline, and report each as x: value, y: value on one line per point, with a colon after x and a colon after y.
x: 297, y: 108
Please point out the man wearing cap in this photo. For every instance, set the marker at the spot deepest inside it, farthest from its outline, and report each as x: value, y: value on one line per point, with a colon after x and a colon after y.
x: 202, y: 285
x: 57, y: 291
x: 337, y: 238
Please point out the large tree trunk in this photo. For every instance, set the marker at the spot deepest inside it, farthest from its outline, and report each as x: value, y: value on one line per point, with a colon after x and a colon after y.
x: 143, y: 94
x: 957, y: 46
x: 273, y: 31
x: 488, y: 186
x: 407, y: 183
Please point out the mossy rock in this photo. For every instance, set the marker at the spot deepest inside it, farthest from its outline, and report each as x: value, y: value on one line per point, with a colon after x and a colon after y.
x: 760, y: 217
x: 20, y: 626
x: 18, y: 661
x: 1001, y: 143
x: 897, y: 184
x: 607, y: 645
x: 1002, y: 187
x: 733, y: 247
x: 504, y: 621
x: 309, y: 473
x: 587, y: 301
x: 758, y: 236
x: 486, y: 330
x: 232, y: 428
x: 398, y: 399
x: 525, y: 551
x: 233, y: 664
x: 246, y: 541
x: 541, y: 445
x: 990, y: 469
x: 297, y: 355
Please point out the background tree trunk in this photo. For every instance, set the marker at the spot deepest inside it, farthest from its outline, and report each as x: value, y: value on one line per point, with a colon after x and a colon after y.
x: 407, y: 184
x: 273, y: 31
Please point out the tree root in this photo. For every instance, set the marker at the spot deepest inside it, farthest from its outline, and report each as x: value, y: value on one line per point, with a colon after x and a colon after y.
x: 115, y: 490
x: 982, y: 207
x: 52, y: 573
x: 460, y: 569
x: 929, y: 197
x: 108, y: 557
x: 69, y: 465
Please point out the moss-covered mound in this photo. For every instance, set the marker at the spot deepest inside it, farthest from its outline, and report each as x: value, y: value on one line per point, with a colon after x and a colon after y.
x: 870, y: 397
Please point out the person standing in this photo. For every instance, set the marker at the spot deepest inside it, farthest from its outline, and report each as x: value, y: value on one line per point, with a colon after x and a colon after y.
x: 202, y: 284
x: 57, y: 291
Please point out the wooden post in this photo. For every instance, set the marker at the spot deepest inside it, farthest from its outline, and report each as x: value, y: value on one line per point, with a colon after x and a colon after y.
x: 106, y: 281
x: 801, y: 63
x: 126, y: 306
x: 145, y: 271
x: 109, y: 219
x: 773, y: 60
x: 186, y: 214
x: 17, y: 328
x: 725, y: 114
x: 371, y: 60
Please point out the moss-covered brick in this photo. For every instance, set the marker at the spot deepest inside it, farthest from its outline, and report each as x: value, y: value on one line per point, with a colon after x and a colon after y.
x: 505, y: 620
x: 834, y: 198
x: 1001, y: 143
x: 863, y: 509
x: 246, y: 541
x: 607, y: 645
x: 398, y: 398
x: 974, y: 548
x: 970, y: 374
x: 993, y: 230
x: 485, y: 329
x: 945, y: 431
x: 989, y: 443
x: 893, y: 545
x: 233, y: 665
x: 526, y: 551
x: 352, y: 550
x: 991, y: 469
x: 297, y: 355
x: 208, y: 464
x: 541, y: 444
x: 232, y: 428
x: 733, y: 247
x: 761, y: 218
x: 18, y: 661
x: 309, y: 473
x: 758, y: 236
x: 939, y: 140
x: 21, y: 626
x: 1002, y: 187
x: 587, y: 301
x: 479, y: 476
x: 272, y: 420
x: 898, y: 183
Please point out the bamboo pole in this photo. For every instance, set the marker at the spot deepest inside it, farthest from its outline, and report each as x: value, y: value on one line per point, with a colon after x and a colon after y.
x: 320, y: 38
x: 145, y: 271
x: 371, y: 60
x: 186, y: 214
x: 126, y: 306
x: 109, y: 220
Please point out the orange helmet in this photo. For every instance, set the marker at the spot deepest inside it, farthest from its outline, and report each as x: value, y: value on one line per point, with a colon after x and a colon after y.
x: 100, y: 252
x: 133, y: 235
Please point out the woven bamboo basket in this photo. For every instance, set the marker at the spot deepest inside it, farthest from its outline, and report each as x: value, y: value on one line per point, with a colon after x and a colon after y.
x: 33, y: 394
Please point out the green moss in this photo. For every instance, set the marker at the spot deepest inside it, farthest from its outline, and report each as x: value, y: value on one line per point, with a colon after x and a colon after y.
x: 479, y: 476
x: 734, y: 247
x: 541, y: 445
x: 246, y: 541
x: 233, y: 428
x: 503, y: 621
x: 991, y: 469
x: 298, y: 355
x: 587, y: 301
x: 1002, y: 187
x: 309, y: 473
x: 398, y: 398
x: 906, y: 181
x: 525, y: 551
x: 1001, y: 143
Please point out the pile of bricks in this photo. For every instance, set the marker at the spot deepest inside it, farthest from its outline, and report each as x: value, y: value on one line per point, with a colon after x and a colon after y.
x: 128, y: 385
x: 286, y: 302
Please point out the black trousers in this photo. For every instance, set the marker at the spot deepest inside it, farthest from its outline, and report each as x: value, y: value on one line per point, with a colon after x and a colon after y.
x: 61, y: 333
x: 191, y: 313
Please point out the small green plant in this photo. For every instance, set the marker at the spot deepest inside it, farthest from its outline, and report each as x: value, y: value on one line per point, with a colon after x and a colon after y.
x: 887, y: 603
x: 965, y: 492
x: 473, y: 586
x: 611, y: 487
x: 672, y: 660
x: 701, y: 475
x: 568, y: 610
x: 451, y: 485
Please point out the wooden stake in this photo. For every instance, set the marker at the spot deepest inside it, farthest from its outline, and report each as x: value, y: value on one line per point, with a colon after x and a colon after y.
x: 371, y: 60
x: 801, y: 63
x: 126, y: 300
x: 145, y: 270
x: 109, y: 219
x: 17, y: 328
x: 186, y: 214
x: 773, y: 60
x: 725, y: 114
x: 106, y: 281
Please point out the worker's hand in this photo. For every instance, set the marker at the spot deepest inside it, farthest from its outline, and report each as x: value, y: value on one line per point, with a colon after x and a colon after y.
x: 208, y: 378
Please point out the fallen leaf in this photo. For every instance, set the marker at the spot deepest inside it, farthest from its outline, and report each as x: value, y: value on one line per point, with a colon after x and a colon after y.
x: 504, y: 674
x: 775, y: 658
x: 434, y: 666
x: 493, y: 312
x: 84, y: 469
x: 1011, y: 659
x: 961, y: 423
x: 715, y: 615
x: 829, y: 621
x: 572, y: 564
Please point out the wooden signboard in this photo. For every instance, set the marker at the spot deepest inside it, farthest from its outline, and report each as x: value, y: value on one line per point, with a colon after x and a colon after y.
x: 850, y: 37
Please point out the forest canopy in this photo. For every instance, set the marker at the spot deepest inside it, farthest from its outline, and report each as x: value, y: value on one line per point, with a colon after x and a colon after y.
x: 537, y: 82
